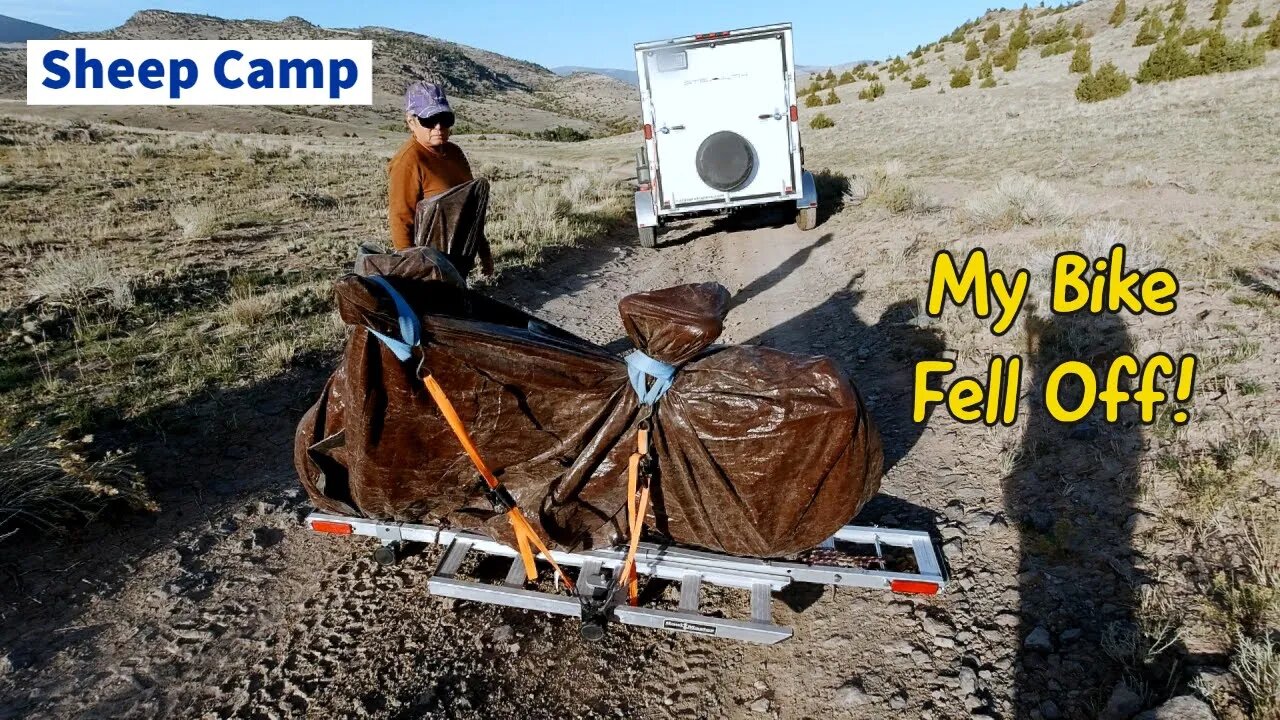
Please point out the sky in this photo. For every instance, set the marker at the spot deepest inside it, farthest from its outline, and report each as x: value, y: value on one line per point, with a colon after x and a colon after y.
x: 590, y: 33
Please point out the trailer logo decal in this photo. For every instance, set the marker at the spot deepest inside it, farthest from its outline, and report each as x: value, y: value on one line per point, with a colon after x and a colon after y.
x: 689, y: 627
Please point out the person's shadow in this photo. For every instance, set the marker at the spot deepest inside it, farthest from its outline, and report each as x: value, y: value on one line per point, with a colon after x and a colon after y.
x: 1070, y: 495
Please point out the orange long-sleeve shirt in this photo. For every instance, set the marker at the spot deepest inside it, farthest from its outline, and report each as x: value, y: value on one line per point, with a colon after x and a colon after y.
x: 418, y: 172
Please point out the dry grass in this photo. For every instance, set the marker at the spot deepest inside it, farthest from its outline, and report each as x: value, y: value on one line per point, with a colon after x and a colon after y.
x: 197, y: 221
x: 46, y: 481
x: 73, y: 276
x: 1019, y: 200
x: 1256, y: 665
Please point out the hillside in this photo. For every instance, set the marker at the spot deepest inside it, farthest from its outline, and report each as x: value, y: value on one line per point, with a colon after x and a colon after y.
x: 630, y: 77
x: 495, y: 92
x: 13, y: 30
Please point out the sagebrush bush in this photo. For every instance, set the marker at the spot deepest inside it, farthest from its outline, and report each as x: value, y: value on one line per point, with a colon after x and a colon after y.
x: 812, y: 100
x: 871, y: 92
x: 971, y: 51
x: 1109, y: 82
x: 1168, y: 61
x: 75, y: 276
x: 1195, y: 36
x: 992, y: 34
x: 961, y: 77
x: 821, y: 122
x: 1078, y: 32
x: 988, y: 82
x: 1272, y: 35
x: 1220, y: 9
x: 197, y: 221
x: 1058, y: 48
x: 1018, y: 200
x: 1118, y: 14
x: 1081, y: 59
x: 919, y: 82
x: 832, y: 98
x: 1150, y: 32
x: 1008, y: 60
x: 885, y: 187
x: 847, y: 77
x: 1179, y: 13
x: 1254, y: 19
x: 985, y: 69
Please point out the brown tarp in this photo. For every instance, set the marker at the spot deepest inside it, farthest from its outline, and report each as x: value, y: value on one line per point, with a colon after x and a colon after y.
x: 453, y: 223
x: 758, y: 452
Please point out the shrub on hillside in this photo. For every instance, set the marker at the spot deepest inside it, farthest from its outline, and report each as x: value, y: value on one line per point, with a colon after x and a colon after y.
x: 1058, y: 48
x: 985, y: 69
x: 1254, y: 19
x: 562, y: 133
x: 821, y: 122
x: 1179, y: 13
x: 961, y: 77
x: 812, y: 101
x: 832, y: 98
x: 846, y: 77
x: 1049, y: 36
x: 1168, y: 61
x: 871, y: 92
x: 1220, y: 10
x: 919, y: 82
x: 1078, y: 32
x: 1007, y: 60
x: 1021, y: 37
x: 1081, y: 62
x: 1150, y: 32
x: 971, y: 51
x: 1109, y: 82
x: 992, y: 34
x: 1220, y: 54
x: 988, y: 82
x: 1118, y: 14
x: 1195, y: 36
x: 1272, y: 35
x: 830, y: 76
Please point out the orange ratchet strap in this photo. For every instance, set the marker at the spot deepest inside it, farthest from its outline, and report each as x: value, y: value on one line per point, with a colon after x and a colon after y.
x: 636, y: 510
x: 524, y: 532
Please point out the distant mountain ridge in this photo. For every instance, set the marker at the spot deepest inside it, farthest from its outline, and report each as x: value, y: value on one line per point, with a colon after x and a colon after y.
x: 630, y: 77
x: 13, y: 30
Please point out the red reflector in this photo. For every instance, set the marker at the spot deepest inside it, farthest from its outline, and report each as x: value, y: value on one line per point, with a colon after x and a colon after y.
x: 708, y: 36
x: 789, y: 189
x: 328, y: 526
x: 916, y: 587
x: 795, y: 113
x: 645, y: 187
x: 648, y: 131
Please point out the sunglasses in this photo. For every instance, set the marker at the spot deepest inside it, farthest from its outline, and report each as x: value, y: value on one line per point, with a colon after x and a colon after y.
x: 431, y: 123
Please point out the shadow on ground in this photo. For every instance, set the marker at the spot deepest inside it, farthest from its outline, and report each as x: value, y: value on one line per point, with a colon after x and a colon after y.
x: 1071, y: 495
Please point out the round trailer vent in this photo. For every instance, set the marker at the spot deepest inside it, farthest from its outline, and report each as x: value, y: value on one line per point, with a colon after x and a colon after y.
x: 725, y: 161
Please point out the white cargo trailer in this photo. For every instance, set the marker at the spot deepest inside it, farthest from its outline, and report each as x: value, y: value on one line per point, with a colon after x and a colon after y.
x: 721, y: 127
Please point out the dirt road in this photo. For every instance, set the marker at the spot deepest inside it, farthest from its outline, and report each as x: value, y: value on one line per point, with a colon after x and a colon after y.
x: 226, y: 606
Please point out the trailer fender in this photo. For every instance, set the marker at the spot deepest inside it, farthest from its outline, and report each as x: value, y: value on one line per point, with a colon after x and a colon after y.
x: 646, y: 210
x: 808, y: 191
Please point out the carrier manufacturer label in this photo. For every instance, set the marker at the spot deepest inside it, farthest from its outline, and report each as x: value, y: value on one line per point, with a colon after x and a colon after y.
x: 689, y: 627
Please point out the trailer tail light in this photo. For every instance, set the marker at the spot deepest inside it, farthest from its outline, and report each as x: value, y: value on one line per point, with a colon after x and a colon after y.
x: 333, y: 528
x: 646, y: 187
x: 795, y: 113
x: 914, y: 587
x: 648, y: 131
x: 711, y: 35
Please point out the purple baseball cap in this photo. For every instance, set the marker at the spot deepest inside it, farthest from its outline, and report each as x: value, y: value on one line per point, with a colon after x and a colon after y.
x: 425, y: 99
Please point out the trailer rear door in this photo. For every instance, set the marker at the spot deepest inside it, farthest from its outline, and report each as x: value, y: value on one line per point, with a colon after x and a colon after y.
x: 710, y: 88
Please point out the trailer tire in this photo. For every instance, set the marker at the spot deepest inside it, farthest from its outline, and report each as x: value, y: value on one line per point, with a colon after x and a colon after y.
x: 725, y: 161
x: 807, y: 218
x: 648, y: 237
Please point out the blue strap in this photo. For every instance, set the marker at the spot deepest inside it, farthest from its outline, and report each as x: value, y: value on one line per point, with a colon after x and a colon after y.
x: 638, y: 366
x: 410, y: 330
